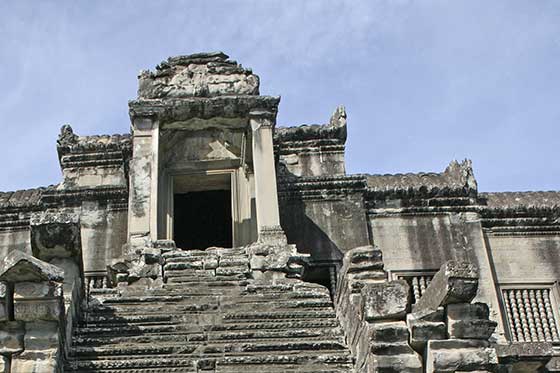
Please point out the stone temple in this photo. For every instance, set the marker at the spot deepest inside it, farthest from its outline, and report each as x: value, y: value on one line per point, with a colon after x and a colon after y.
x: 209, y: 240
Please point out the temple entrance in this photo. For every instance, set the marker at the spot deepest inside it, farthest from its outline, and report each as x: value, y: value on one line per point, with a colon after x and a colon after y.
x: 203, y: 218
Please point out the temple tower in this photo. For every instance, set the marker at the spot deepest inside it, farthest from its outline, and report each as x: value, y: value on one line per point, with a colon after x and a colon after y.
x: 202, y: 171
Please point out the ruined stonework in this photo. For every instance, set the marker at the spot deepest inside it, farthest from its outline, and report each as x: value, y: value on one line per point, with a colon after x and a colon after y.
x: 208, y: 239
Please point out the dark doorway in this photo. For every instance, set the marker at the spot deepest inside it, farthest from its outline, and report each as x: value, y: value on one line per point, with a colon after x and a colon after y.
x: 202, y: 219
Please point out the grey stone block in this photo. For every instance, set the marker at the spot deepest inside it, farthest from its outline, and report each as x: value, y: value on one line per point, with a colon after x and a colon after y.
x: 385, y: 301
x: 455, y: 282
x: 460, y: 355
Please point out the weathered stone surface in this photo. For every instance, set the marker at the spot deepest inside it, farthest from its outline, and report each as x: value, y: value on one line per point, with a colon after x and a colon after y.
x: 11, y: 337
x: 197, y: 76
x: 39, y: 309
x: 425, y: 329
x: 460, y: 355
x: 469, y: 321
x: 152, y: 307
x: 55, y: 233
x: 402, y: 363
x: 21, y: 267
x: 46, y: 360
x: 385, y: 300
x: 455, y: 282
x: 526, y: 357
x: 37, y: 289
x: 210, y: 321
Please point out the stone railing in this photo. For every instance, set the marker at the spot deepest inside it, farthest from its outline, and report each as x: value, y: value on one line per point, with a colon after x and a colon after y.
x: 32, y: 327
x: 372, y: 312
x: 447, y: 328
x: 442, y: 332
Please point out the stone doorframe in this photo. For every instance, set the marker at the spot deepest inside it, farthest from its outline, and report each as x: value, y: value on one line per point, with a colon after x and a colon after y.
x: 242, y: 198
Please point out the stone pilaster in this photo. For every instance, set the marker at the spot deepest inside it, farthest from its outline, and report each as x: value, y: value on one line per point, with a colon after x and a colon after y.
x: 268, y: 217
x: 142, y: 213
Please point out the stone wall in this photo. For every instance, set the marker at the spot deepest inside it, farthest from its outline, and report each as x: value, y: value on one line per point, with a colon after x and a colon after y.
x: 15, y: 240
x: 540, y: 253
x: 325, y: 229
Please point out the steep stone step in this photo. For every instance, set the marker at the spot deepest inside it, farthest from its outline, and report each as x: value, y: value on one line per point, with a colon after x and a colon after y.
x: 294, y: 315
x: 217, y: 280
x: 191, y: 327
x: 195, y: 336
x: 326, y: 361
x: 215, y: 348
x: 211, y: 316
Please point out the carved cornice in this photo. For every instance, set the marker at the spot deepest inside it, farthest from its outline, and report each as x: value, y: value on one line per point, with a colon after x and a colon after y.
x: 520, y: 213
x: 75, y: 197
x: 22, y: 200
x: 220, y: 111
x: 91, y: 151
x: 298, y: 139
x: 456, y: 181
x: 320, y: 187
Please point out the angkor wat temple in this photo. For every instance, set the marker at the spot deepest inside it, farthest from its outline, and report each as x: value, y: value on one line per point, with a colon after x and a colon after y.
x: 209, y: 240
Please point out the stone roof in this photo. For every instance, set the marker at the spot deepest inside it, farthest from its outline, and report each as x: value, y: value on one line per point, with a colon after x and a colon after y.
x: 457, y: 178
x: 522, y: 200
x: 22, y: 198
x: 69, y: 142
x: 335, y: 129
x: 22, y: 267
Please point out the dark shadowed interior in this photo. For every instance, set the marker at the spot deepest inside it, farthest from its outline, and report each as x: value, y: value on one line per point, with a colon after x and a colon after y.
x: 202, y: 219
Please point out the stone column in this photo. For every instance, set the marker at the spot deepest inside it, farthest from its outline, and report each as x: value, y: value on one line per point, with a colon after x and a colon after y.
x: 142, y: 212
x: 268, y: 216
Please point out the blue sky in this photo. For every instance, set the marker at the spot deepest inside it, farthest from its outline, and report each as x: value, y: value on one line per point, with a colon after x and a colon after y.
x: 424, y: 82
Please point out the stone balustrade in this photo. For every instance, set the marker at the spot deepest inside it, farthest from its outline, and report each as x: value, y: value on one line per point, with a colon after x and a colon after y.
x: 32, y: 325
x: 372, y: 312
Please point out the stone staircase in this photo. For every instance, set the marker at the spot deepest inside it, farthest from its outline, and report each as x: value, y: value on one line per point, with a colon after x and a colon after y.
x: 210, y: 315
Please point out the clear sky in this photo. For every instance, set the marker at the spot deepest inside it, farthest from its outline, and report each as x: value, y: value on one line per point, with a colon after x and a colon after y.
x: 423, y: 82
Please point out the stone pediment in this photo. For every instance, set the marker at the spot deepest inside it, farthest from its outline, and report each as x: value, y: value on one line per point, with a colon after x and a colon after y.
x: 21, y: 267
x: 197, y: 75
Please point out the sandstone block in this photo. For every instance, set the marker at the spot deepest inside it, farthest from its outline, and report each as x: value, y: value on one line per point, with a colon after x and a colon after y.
x: 467, y: 311
x: 37, y: 289
x: 472, y: 329
x: 3, y: 311
x: 404, y: 363
x: 38, y: 309
x: 152, y: 255
x: 527, y: 357
x: 460, y: 355
x: 45, y: 361
x: 385, y: 301
x: 424, y: 330
x: 11, y: 337
x: 469, y: 321
x: 210, y: 263
x: 364, y: 259
x: 394, y: 331
x: 455, y: 282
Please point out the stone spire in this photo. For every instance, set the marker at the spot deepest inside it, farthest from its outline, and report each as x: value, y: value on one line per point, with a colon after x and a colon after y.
x: 197, y: 75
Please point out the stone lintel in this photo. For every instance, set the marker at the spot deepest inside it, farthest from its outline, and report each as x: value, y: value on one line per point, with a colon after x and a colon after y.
x: 231, y: 110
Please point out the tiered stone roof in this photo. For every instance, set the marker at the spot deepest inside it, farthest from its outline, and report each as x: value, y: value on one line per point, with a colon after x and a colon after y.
x: 457, y: 180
